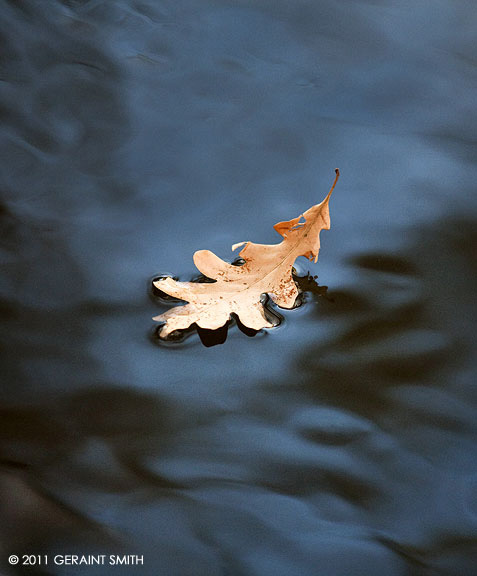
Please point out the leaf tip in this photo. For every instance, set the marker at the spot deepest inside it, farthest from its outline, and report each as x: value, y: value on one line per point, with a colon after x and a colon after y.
x: 337, y: 172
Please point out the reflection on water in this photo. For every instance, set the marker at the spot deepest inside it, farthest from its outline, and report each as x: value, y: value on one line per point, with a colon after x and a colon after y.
x: 136, y: 132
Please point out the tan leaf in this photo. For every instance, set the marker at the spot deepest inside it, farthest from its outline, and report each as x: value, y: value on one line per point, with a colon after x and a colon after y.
x: 267, y: 269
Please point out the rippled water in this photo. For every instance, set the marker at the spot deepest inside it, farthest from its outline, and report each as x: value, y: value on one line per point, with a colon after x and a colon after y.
x: 342, y: 442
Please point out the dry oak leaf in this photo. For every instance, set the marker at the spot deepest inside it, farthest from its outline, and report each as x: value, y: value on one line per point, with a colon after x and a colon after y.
x: 267, y: 269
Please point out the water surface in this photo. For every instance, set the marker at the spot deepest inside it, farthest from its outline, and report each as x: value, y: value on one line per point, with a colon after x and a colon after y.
x: 136, y: 132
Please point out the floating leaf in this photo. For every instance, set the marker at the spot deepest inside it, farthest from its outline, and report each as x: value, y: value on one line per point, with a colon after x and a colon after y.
x: 266, y: 269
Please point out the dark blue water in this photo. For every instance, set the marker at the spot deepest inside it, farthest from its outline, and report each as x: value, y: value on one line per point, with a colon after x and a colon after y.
x: 341, y: 443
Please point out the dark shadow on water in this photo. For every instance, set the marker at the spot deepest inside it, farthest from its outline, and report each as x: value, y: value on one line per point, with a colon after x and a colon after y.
x: 211, y: 338
x: 401, y: 316
x: 208, y: 338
